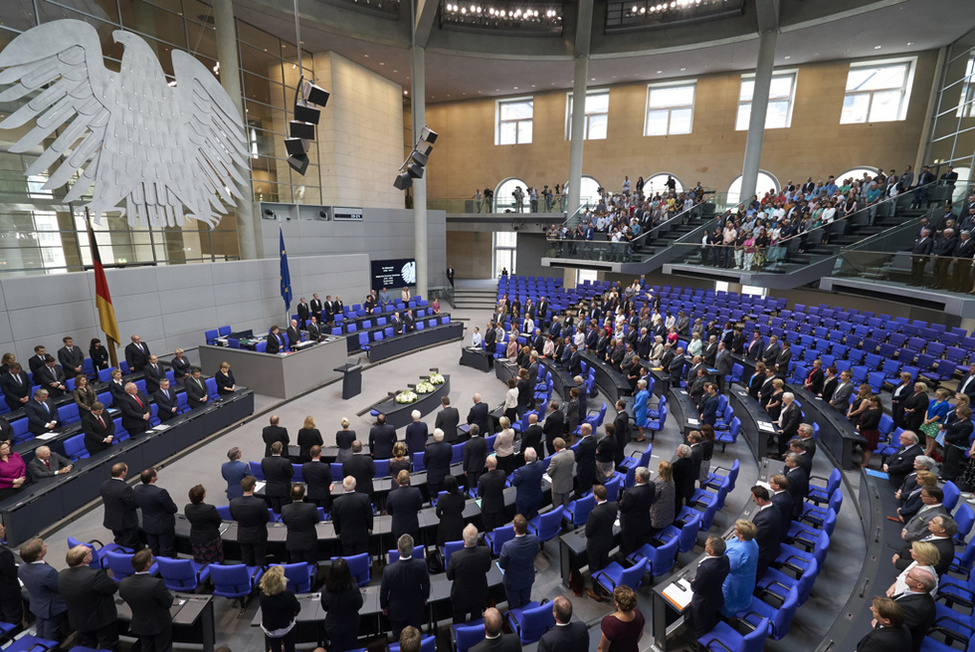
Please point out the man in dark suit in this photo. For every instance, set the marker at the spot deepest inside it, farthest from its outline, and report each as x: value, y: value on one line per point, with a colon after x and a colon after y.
x: 316, y: 307
x: 917, y: 605
x: 554, y: 426
x: 967, y: 384
x: 840, y: 399
x: 755, y: 347
x: 252, y: 518
x: 158, y: 514
x: 99, y: 429
x: 88, y: 594
x: 467, y: 570
x: 38, y: 360
x: 404, y: 589
x: 475, y: 457
x: 585, y: 460
x: 16, y: 387
x: 599, y: 537
x: 575, y: 361
x: 798, y: 483
x: 278, y: 473
x: 784, y: 358
x: 397, y: 323
x: 136, y: 354
x: 816, y: 378
x: 337, y: 306
x: 41, y: 581
x: 352, y: 518
x: 684, y: 478
x: 528, y: 480
x: 708, y: 598
x: 47, y: 464
x: 901, y: 464
x: 447, y: 420
x: 150, y: 601
x: 768, y: 521
x: 403, y: 504
x: 939, y: 533
x: 490, y: 487
x: 889, y: 633
x: 782, y: 500
x: 382, y: 436
x: 51, y: 377
x: 566, y: 636
x: 304, y: 312
x: 676, y: 367
x: 328, y: 312
x: 153, y: 373
x: 479, y: 414
x: 710, y: 351
x: 532, y: 437
x: 634, y: 508
x: 274, y: 432
x: 789, y: 418
x: 275, y: 341
x: 436, y: 458
x: 361, y: 467
x: 409, y: 321
x: 196, y: 389
x: 135, y: 410
x: 294, y: 335
x: 518, y: 562
x: 120, y: 508
x: 315, y: 333
x: 165, y: 399
x: 494, y: 640
x: 301, y: 518
x: 42, y: 415
x: 770, y: 356
x: 72, y: 358
x: 318, y: 476
x: 416, y: 435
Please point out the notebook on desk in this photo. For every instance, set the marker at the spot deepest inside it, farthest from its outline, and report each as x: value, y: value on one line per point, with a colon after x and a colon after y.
x: 679, y: 593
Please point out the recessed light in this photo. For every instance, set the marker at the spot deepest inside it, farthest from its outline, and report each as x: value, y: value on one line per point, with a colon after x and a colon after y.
x: 659, y: 72
x: 788, y: 57
x: 910, y: 42
x: 366, y: 56
x: 395, y: 70
x: 514, y: 87
x: 533, y: 85
x: 877, y: 47
x: 592, y: 79
x: 405, y: 92
x: 382, y: 63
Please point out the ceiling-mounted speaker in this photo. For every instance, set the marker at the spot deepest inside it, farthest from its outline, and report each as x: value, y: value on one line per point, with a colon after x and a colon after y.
x: 298, y: 163
x: 314, y: 94
x: 296, y: 146
x: 419, y: 158
x: 301, y: 130
x: 403, y: 181
x: 306, y: 113
x: 428, y: 135
x: 414, y: 170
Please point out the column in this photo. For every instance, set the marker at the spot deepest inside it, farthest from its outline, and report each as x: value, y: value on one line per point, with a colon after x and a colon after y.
x: 248, y: 228
x: 756, y: 122
x: 577, y: 134
x: 420, y: 185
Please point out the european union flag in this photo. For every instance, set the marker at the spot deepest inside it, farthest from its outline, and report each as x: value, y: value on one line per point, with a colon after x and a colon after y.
x: 285, y: 275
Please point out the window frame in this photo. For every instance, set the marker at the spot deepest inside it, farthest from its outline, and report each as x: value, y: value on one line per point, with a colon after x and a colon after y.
x: 498, y: 104
x: 905, y: 89
x: 750, y: 76
x: 670, y: 109
x: 966, y: 100
x: 588, y: 115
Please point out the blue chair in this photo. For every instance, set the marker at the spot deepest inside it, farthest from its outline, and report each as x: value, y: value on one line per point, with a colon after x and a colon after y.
x: 301, y: 577
x: 615, y: 575
x: 449, y: 548
x: 467, y: 636
x: 659, y: 560
x: 819, y: 494
x: 497, y: 538
x: 31, y: 644
x: 548, y: 525
x: 74, y: 447
x: 98, y: 559
x: 256, y: 470
x: 724, y: 638
x: 224, y: 331
x: 359, y: 566
x: 182, y: 574
x: 223, y: 511
x: 427, y: 644
x: 235, y: 581
x: 418, y: 553
x: 686, y: 536
x: 951, y: 494
x: 211, y: 336
x: 531, y: 621
x: 816, y: 514
x: 577, y: 511
x: 120, y: 563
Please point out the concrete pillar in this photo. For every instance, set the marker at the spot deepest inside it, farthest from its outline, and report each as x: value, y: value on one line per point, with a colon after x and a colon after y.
x: 420, y: 185
x: 248, y: 227
x: 756, y: 123
x: 577, y: 134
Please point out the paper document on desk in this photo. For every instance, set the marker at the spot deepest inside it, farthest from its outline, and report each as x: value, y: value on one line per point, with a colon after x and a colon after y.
x: 47, y: 435
x: 693, y: 422
x: 547, y: 478
x: 259, y: 485
x: 161, y: 427
x: 766, y: 426
x: 498, y: 564
x: 679, y: 593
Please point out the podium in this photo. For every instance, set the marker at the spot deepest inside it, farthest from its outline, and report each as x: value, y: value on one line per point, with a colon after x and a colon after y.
x: 351, y: 380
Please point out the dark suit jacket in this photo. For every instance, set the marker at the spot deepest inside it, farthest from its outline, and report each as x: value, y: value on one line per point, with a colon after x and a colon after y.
x: 301, y: 519
x: 634, y: 509
x: 41, y: 581
x: 158, y: 509
x: 946, y: 549
x: 153, y: 376
x: 120, y: 505
x: 195, y: 392
x: 783, y: 502
x: 771, y: 354
x: 468, y: 569
x: 708, y: 597
x: 404, y: 504
x: 38, y: 470
x: 132, y: 414
x: 294, y: 336
x: 204, y: 523
x: 416, y: 437
x: 278, y: 473
x: 275, y: 343
x: 14, y: 391
x: 150, y: 601
x: 352, y: 518
x: 48, y: 376
x: 317, y: 476
x: 901, y: 464
x: 37, y: 416
x: 919, y: 615
x: 553, y: 427
x: 271, y: 434
x: 533, y: 439
x: 95, y: 433
x: 72, y: 359
x: 683, y: 479
x: 570, y: 637
x: 769, y: 524
x: 503, y: 643
x: 518, y: 561
x: 816, y: 379
x: 586, y: 462
x: 363, y: 469
x: 404, y: 590
x: 886, y: 639
x: 88, y: 594
x: 165, y: 401
x: 447, y: 420
x: 252, y: 517
x: 137, y: 356
x: 479, y: 415
x: 528, y: 480
x: 599, y: 528
x: 490, y: 487
x: 475, y: 455
x: 381, y: 441
x: 791, y: 419
x: 437, y: 458
x: 35, y: 363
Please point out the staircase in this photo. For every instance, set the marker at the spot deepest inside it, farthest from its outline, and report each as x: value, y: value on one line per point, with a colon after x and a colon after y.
x: 477, y: 295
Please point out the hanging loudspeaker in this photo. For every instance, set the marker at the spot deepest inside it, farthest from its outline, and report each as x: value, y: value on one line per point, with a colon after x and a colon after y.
x: 403, y: 181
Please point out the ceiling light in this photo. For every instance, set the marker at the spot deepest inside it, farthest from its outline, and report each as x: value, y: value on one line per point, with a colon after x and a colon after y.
x: 877, y: 47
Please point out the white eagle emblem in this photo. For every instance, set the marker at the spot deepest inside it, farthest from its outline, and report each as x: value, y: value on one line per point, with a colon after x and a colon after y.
x: 149, y: 149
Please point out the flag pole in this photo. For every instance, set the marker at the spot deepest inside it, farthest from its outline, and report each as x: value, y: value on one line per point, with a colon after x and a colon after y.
x: 101, y: 285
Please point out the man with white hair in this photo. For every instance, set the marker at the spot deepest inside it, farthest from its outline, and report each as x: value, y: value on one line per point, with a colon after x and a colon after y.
x: 479, y: 415
x: 901, y: 464
x: 352, y: 519
x: 468, y: 569
x: 684, y: 478
x: 560, y: 471
x: 490, y: 487
x: 416, y: 435
x: 789, y: 420
x: 437, y: 460
x: 47, y: 463
x: 528, y: 480
x: 135, y: 410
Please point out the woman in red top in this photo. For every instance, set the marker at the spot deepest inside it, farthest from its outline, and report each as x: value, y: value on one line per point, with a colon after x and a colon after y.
x: 622, y: 630
x: 13, y: 471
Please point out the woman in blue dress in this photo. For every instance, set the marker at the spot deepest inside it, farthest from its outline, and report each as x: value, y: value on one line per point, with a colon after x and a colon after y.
x: 640, y: 405
x: 742, y: 552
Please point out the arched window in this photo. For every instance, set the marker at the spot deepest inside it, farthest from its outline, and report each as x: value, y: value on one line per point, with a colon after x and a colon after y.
x: 764, y: 183
x: 856, y: 174
x: 658, y: 183
x: 588, y: 191
x: 504, y: 198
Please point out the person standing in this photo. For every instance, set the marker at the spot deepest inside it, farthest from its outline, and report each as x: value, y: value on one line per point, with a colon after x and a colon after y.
x: 318, y: 478
x: 41, y: 581
x: 274, y: 432
x: 233, y: 471
x: 88, y: 593
x: 403, y: 504
x: 622, y: 630
x: 278, y: 473
x: 888, y: 633
x: 252, y: 518
x: 475, y: 457
x: 405, y: 589
x: 352, y: 518
x: 706, y: 585
x: 528, y: 480
x: 381, y: 439
x: 120, y: 508
x: 742, y: 554
x: 436, y: 458
x: 490, y: 488
x: 560, y: 471
x: 447, y: 420
x: 566, y: 636
x: 599, y: 537
x: 467, y: 570
x: 517, y: 560
x: 341, y: 600
x: 279, y: 611
x: 416, y: 435
x: 135, y: 410
x: 158, y: 514
x: 150, y: 601
x: 301, y: 519
x: 205, y: 541
x: 494, y: 640
x: 450, y: 511
x: 634, y: 509
x: 308, y: 436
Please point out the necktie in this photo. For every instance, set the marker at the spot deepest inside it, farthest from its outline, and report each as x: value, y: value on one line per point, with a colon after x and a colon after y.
x: 962, y: 389
x: 101, y: 421
x: 137, y: 400
x: 47, y: 463
x: 17, y: 376
x: 46, y: 408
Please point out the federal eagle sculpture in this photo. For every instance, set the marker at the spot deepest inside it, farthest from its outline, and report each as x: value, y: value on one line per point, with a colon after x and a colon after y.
x: 158, y: 153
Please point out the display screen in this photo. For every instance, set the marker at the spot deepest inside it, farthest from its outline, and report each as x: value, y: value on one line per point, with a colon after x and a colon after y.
x: 393, y: 273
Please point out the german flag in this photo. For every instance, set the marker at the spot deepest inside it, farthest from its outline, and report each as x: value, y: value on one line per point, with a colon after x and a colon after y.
x: 103, y: 299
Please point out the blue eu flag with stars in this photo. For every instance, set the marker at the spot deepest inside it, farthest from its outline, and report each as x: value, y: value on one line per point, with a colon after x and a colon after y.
x: 285, y: 275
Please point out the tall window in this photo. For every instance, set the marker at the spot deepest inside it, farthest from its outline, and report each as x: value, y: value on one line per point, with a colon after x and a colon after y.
x: 877, y: 91
x: 513, y: 121
x: 966, y: 103
x: 670, y: 109
x: 782, y: 94
x: 597, y: 115
x: 658, y: 183
x: 505, y: 252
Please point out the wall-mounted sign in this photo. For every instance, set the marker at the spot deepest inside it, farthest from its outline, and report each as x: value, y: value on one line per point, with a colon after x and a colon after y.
x: 344, y: 213
x: 393, y: 273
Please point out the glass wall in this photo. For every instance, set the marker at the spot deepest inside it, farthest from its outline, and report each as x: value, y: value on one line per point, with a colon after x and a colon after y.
x: 953, y: 136
x: 39, y: 233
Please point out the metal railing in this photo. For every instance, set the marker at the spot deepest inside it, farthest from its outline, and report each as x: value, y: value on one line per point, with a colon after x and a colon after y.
x: 470, y: 205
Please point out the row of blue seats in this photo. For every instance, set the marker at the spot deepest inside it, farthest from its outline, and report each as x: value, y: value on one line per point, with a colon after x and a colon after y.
x: 368, y: 338
x: 102, y: 376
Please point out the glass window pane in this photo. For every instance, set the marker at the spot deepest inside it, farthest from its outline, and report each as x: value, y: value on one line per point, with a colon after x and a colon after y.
x: 597, y: 102
x: 855, y: 109
x: 777, y: 116
x: 747, y: 90
x: 744, y: 114
x: 657, y: 122
x: 680, y: 121
x: 507, y: 135
x: 597, y: 127
x: 780, y: 87
x: 885, y: 106
x: 525, y: 132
